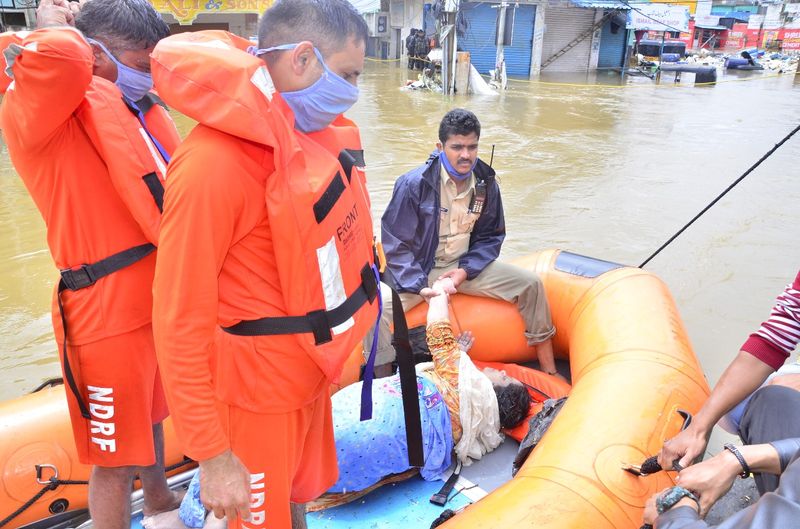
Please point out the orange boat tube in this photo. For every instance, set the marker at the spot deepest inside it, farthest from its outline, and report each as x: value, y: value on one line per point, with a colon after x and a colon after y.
x: 632, y: 369
x: 36, y: 430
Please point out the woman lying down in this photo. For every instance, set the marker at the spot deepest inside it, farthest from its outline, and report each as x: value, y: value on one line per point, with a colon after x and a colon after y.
x: 462, y: 409
x: 459, y: 405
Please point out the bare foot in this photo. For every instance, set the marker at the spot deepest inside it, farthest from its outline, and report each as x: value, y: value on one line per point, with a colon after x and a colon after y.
x: 164, y: 520
x: 175, y: 503
x: 465, y: 341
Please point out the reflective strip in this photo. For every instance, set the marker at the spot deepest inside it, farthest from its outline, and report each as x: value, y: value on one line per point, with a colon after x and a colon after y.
x: 330, y: 272
x: 156, y: 157
x: 263, y: 81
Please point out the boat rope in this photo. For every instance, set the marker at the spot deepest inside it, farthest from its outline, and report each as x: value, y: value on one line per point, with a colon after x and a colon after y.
x: 53, y: 483
x: 725, y: 192
x: 49, y: 383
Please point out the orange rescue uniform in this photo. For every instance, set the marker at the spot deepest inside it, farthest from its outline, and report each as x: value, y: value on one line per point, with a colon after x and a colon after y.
x: 239, y: 243
x: 81, y: 153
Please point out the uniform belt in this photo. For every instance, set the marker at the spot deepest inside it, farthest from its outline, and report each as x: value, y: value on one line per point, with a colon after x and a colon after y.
x: 318, y: 322
x: 85, y: 276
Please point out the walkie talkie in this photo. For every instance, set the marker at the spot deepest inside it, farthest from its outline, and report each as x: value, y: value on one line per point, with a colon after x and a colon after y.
x: 478, y: 198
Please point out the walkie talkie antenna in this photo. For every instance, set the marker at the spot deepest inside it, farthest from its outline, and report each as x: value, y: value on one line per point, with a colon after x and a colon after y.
x: 492, y: 158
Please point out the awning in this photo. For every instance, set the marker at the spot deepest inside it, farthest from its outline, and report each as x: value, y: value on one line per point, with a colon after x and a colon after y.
x: 741, y: 16
x: 366, y: 6
x: 708, y: 26
x: 600, y: 4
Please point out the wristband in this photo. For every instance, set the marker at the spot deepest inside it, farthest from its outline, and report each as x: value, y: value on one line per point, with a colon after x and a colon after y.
x: 746, y: 473
x: 670, y: 497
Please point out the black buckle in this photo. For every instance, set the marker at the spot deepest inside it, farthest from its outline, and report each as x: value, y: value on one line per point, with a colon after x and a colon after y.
x: 318, y: 319
x: 78, y: 278
x: 369, y: 282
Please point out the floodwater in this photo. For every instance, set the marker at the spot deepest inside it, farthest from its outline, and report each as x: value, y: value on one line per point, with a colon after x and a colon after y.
x: 606, y: 171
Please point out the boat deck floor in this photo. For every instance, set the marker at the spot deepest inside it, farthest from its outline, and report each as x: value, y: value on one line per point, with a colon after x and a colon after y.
x: 406, y: 504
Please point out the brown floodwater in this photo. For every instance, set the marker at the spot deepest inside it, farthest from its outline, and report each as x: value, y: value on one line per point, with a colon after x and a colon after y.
x: 600, y: 169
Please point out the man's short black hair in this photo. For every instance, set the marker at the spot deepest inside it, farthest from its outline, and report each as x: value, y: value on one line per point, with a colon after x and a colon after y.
x: 458, y: 122
x: 514, y: 403
x: 122, y: 24
x: 327, y: 24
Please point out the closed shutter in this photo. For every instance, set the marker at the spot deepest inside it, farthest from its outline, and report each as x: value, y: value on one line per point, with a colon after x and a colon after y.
x: 612, y: 46
x: 563, y: 25
x: 479, y: 39
x: 518, y: 56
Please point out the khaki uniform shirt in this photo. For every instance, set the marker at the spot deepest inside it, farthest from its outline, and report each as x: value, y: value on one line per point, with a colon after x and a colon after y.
x: 455, y: 220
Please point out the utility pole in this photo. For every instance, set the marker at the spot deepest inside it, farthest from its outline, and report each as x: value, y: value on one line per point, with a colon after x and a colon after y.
x: 448, y: 40
x: 500, y: 61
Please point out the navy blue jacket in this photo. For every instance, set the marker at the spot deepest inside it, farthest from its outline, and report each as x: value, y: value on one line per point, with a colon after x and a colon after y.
x: 410, y: 226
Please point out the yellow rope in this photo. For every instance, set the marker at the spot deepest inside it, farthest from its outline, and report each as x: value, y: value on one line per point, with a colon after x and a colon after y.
x: 370, y: 59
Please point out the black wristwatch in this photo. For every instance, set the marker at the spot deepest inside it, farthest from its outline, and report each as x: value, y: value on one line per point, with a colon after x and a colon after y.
x: 745, y: 467
x: 667, y: 499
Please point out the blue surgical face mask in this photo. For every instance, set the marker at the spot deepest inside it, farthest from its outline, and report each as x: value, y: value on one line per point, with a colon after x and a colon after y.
x: 134, y: 84
x: 452, y: 170
x: 318, y: 105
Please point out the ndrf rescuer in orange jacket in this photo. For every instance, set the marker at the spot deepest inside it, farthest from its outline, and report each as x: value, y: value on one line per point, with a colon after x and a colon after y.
x: 265, y: 277
x: 91, y: 143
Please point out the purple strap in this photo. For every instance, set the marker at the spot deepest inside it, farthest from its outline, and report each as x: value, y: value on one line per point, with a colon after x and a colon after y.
x: 369, y: 369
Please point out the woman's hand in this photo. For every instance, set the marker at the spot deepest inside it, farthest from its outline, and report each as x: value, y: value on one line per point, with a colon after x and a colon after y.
x: 445, y: 285
x: 441, y: 287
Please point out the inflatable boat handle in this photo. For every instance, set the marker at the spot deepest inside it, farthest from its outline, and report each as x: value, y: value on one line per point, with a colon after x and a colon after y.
x: 46, y: 481
x: 650, y: 465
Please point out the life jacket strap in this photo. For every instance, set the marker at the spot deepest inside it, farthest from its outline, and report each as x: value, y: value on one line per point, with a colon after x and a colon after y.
x: 350, y: 158
x: 85, y: 276
x: 408, y: 382
x: 318, y: 322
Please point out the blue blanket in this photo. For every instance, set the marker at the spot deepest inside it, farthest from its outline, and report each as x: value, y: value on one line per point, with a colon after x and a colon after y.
x: 370, y: 450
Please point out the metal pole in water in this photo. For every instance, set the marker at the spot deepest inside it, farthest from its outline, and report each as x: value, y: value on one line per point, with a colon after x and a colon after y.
x: 661, y: 56
x: 499, y: 39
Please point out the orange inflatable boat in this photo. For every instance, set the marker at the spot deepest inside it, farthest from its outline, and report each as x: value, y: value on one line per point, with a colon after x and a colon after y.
x: 632, y: 369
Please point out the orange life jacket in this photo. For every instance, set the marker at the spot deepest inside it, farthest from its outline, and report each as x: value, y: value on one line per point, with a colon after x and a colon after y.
x: 96, y: 175
x: 136, y: 167
x: 318, y: 210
